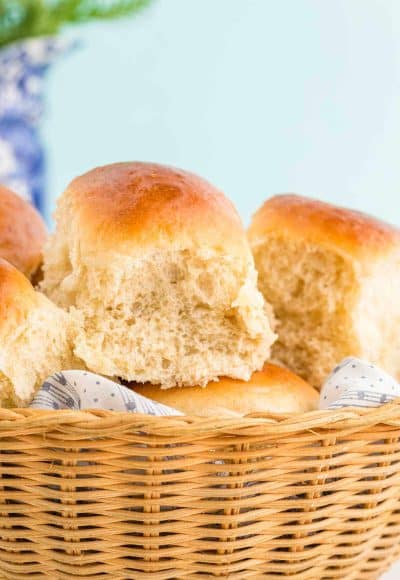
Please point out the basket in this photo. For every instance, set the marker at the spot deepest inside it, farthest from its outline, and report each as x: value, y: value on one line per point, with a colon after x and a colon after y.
x: 93, y: 495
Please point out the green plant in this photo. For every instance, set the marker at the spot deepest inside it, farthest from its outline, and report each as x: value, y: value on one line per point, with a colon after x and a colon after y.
x: 26, y: 18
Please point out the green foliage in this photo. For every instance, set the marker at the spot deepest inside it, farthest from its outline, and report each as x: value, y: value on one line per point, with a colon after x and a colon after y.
x: 25, y: 18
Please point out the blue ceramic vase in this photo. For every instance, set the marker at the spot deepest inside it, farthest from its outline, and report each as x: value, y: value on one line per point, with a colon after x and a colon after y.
x: 23, y: 66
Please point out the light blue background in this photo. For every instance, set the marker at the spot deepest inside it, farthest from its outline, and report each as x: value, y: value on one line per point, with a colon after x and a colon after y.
x: 258, y: 96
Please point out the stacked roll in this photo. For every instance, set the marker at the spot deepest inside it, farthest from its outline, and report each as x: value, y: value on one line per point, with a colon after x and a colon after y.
x: 155, y: 266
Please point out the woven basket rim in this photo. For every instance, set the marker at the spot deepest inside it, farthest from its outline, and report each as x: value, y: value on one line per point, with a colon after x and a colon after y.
x: 106, y: 422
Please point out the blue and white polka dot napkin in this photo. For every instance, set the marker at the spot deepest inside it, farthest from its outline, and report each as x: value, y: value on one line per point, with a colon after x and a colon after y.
x: 357, y: 383
x: 79, y: 390
x: 353, y: 383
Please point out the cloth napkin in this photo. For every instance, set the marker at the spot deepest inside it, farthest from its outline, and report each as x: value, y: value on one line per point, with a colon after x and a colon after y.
x: 357, y: 383
x: 83, y: 390
x: 353, y: 383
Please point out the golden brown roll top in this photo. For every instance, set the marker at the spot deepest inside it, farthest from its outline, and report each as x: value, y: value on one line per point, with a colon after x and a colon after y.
x: 297, y: 217
x: 17, y: 297
x: 272, y: 390
x: 136, y: 205
x: 22, y: 232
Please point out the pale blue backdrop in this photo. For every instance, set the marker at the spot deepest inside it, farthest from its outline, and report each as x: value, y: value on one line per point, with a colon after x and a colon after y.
x: 258, y: 96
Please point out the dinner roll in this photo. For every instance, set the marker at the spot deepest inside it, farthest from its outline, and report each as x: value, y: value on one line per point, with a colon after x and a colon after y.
x: 333, y: 278
x: 22, y: 232
x: 35, y: 338
x: 155, y: 263
x: 272, y: 390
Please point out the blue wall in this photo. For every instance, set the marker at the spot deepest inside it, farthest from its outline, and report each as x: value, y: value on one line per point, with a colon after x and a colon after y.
x: 258, y: 96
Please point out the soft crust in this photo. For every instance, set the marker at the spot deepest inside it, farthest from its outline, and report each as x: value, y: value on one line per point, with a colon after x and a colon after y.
x: 272, y: 390
x: 151, y: 204
x: 17, y: 297
x: 22, y: 232
x: 354, y: 233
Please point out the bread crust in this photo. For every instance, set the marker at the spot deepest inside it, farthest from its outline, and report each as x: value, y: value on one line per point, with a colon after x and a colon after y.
x: 274, y: 390
x: 350, y: 232
x: 22, y: 232
x: 136, y: 204
x: 17, y: 297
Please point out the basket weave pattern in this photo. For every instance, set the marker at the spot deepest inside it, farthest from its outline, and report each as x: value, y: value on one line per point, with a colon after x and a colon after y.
x: 95, y: 495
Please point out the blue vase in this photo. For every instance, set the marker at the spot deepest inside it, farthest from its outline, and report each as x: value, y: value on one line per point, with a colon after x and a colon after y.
x: 23, y: 66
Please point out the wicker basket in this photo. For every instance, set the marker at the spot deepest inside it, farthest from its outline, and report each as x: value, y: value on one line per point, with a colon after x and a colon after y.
x: 95, y: 495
